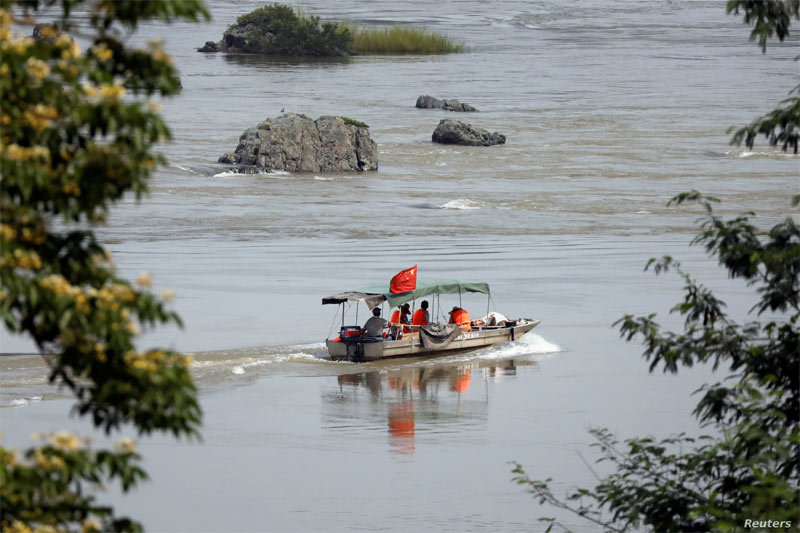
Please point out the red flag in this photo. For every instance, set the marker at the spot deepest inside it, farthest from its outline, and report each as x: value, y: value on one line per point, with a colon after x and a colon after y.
x: 404, y: 281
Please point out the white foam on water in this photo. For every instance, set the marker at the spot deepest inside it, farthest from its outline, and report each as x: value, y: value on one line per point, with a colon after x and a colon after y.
x: 757, y: 155
x: 321, y: 178
x: 272, y: 174
x: 277, y: 358
x: 643, y: 212
x: 461, y: 203
x: 530, y: 344
x: 19, y: 402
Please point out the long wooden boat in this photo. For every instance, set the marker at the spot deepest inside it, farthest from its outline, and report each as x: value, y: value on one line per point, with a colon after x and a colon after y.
x: 351, y: 346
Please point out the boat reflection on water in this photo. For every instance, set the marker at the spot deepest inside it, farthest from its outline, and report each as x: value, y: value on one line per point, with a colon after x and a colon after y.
x: 434, y: 401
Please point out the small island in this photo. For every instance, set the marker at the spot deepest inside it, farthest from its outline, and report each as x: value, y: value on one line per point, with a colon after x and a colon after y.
x: 280, y: 30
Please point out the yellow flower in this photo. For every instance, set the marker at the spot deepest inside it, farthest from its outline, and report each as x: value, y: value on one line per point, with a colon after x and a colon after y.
x: 125, y: 445
x: 27, y: 260
x: 7, y: 232
x: 37, y: 68
x: 102, y: 52
x: 111, y: 91
x: 66, y: 441
x: 18, y: 45
x: 39, y: 116
x: 144, y: 280
x: 17, y: 527
x: 147, y: 366
x: 71, y: 188
x: 15, y: 152
x: 56, y: 283
x: 168, y: 295
x: 155, y: 107
x: 89, y: 90
x: 91, y: 526
x: 71, y: 49
x: 133, y: 328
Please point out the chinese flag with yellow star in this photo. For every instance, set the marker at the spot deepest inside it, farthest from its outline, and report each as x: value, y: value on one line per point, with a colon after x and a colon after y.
x: 404, y: 281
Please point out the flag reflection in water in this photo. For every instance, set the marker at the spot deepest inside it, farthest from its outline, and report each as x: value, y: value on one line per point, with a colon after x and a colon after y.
x: 415, y: 404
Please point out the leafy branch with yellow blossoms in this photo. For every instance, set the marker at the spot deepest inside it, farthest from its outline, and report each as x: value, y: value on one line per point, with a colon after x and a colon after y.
x: 77, y: 133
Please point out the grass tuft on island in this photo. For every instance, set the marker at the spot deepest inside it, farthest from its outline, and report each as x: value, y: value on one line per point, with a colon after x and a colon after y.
x: 400, y: 40
x: 354, y: 122
x: 278, y: 29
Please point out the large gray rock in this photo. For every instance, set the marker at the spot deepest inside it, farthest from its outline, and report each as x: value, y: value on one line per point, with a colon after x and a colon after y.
x: 297, y: 143
x: 457, y: 132
x: 429, y: 102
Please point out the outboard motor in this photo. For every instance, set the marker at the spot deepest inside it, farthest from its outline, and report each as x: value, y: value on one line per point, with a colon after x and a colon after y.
x: 351, y: 337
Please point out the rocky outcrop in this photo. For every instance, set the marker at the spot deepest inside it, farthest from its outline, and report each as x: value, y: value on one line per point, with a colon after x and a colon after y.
x: 296, y: 143
x: 429, y: 102
x: 457, y: 132
x: 210, y: 46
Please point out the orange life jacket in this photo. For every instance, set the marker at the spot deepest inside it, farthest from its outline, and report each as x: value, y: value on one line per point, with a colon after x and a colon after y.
x: 419, y: 318
x: 461, y: 317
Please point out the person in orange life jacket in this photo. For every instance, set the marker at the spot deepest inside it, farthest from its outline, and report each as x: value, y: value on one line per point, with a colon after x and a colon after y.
x: 374, y: 326
x: 403, y: 316
x: 461, y: 317
x: 421, y: 316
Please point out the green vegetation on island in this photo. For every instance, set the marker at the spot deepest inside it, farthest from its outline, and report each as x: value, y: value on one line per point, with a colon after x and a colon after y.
x: 280, y: 30
x: 354, y: 122
x: 400, y: 40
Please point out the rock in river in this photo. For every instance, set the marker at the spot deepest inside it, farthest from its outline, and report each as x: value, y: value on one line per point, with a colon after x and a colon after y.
x: 296, y: 143
x: 457, y: 132
x: 429, y: 102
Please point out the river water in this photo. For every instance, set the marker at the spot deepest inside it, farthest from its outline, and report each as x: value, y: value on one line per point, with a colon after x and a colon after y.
x: 610, y: 109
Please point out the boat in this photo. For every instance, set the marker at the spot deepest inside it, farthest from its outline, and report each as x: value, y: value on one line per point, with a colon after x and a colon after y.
x: 422, y: 341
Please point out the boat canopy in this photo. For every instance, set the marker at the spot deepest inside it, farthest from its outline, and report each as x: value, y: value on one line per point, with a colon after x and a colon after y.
x: 375, y: 295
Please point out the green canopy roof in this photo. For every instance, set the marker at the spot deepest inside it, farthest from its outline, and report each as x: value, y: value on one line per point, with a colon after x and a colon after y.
x: 374, y: 295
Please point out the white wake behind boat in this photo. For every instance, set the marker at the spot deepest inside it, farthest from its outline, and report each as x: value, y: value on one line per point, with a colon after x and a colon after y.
x: 429, y: 340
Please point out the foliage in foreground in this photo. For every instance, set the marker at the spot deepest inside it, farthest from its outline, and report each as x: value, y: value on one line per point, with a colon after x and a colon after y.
x: 76, y: 136
x: 781, y: 126
x: 747, y: 475
x: 750, y: 469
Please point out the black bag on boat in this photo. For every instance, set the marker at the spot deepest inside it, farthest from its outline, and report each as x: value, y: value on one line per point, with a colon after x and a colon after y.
x: 438, y: 335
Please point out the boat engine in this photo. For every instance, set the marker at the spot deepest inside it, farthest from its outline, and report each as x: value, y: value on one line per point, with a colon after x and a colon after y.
x: 351, y: 337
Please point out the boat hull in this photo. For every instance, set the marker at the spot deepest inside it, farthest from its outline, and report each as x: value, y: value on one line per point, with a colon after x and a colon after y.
x: 410, y: 346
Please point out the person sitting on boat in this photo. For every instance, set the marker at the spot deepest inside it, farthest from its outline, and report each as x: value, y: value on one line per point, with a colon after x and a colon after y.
x: 421, y: 315
x: 403, y: 316
x: 461, y: 317
x: 373, y: 328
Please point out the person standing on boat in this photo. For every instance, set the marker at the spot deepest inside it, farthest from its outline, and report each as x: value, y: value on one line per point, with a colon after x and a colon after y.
x: 373, y: 328
x: 461, y: 317
x: 421, y: 315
